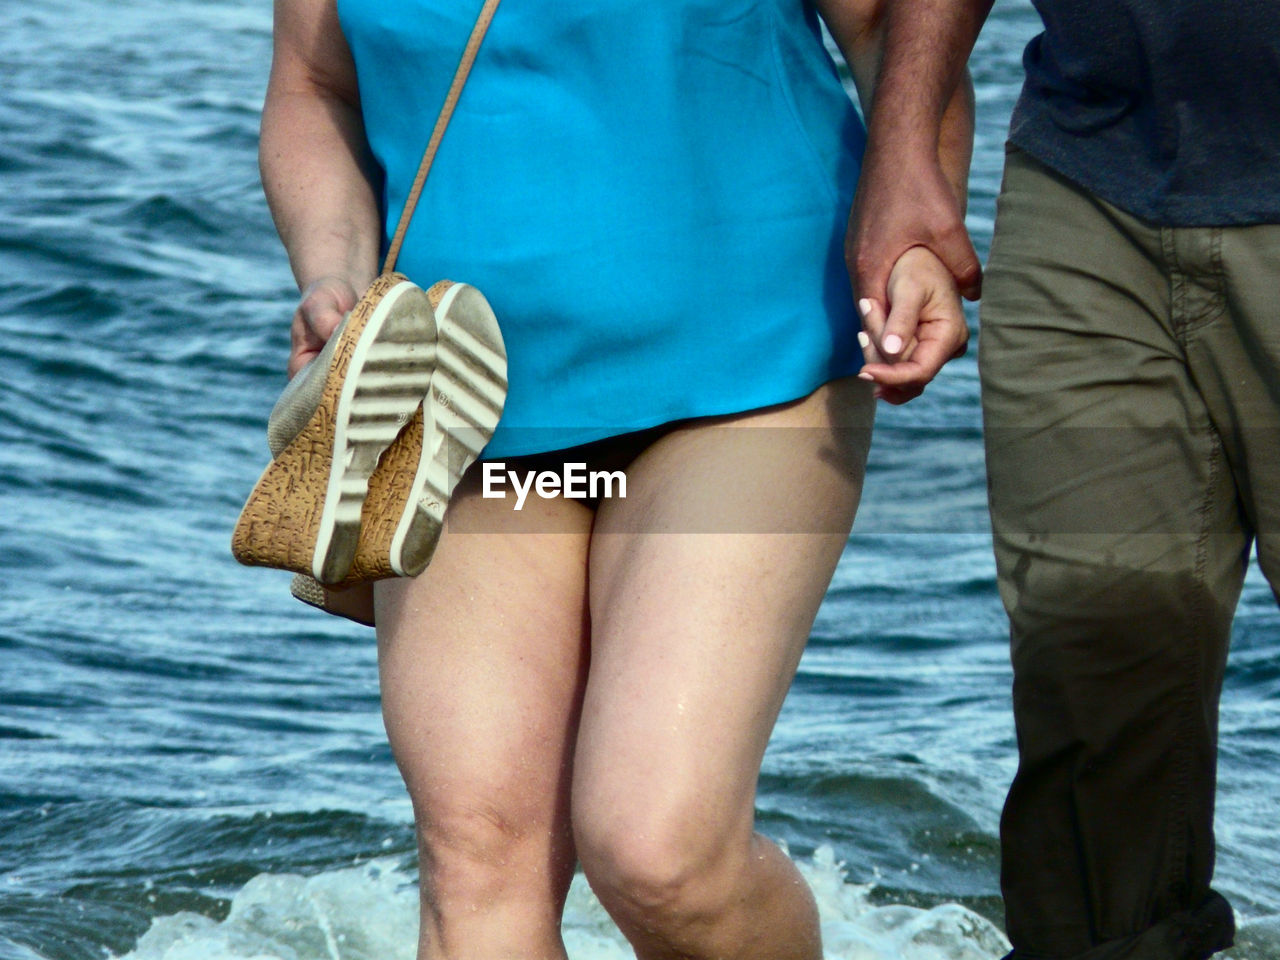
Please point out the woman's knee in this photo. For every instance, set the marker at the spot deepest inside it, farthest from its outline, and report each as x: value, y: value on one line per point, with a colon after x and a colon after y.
x: 660, y: 871
x: 481, y: 851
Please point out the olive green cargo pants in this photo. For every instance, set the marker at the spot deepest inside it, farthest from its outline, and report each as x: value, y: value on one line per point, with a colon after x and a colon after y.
x: 1131, y: 400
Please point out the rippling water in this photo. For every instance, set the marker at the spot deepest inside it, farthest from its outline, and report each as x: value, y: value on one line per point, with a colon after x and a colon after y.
x: 192, y: 759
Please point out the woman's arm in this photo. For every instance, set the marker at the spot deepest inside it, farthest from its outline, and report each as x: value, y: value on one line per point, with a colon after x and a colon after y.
x: 317, y: 173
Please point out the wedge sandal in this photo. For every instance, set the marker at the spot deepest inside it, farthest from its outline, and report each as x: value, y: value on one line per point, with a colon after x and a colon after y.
x: 329, y: 430
x: 410, y: 490
x: 370, y: 439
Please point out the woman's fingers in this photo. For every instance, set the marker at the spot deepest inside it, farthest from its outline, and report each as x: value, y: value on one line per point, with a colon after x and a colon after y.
x: 924, y: 328
x: 873, y: 325
x: 905, y: 313
x: 940, y: 338
x: 877, y: 328
x: 324, y: 303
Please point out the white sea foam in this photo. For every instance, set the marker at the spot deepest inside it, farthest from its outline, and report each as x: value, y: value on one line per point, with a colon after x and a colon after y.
x: 1256, y: 939
x: 370, y: 913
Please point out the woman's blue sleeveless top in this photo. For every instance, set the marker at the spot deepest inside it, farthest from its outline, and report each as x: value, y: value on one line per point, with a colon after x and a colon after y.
x: 651, y: 193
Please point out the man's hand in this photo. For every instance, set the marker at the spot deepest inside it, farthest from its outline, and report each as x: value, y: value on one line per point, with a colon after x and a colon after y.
x: 899, y: 205
x: 925, y: 308
x: 324, y: 303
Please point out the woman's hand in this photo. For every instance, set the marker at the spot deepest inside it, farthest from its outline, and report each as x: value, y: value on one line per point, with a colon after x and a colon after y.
x: 324, y: 303
x: 924, y: 305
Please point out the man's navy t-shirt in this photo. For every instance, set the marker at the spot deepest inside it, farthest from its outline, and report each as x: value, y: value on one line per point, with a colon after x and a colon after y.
x: 1169, y: 109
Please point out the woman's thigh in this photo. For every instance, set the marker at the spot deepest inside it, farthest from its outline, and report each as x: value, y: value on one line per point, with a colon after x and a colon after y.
x: 704, y: 582
x: 482, y: 661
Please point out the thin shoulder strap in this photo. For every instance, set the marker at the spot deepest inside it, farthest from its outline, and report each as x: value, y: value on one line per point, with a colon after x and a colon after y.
x: 450, y: 101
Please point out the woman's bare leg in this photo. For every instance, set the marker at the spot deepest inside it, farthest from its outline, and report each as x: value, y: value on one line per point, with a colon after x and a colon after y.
x: 482, y: 662
x: 695, y: 639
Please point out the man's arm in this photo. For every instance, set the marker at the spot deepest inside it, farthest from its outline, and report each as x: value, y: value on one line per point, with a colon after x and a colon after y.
x: 906, y: 195
x: 909, y: 324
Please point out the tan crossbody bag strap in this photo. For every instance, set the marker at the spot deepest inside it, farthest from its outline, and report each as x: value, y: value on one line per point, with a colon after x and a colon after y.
x: 428, y: 156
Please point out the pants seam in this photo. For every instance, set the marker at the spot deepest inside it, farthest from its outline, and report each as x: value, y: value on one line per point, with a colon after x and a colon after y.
x: 1215, y: 260
x: 1177, y: 282
x: 1198, y: 622
x: 1189, y: 316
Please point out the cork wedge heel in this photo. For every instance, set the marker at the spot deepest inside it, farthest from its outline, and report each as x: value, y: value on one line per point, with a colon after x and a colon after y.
x: 329, y: 430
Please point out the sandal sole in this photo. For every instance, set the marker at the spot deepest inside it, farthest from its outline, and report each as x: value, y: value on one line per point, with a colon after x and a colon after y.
x: 304, y: 514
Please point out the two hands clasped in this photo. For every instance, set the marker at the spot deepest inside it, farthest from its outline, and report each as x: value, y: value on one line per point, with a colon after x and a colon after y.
x: 923, y: 327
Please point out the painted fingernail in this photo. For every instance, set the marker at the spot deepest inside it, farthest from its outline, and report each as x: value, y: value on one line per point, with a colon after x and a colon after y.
x: 865, y: 376
x: 864, y: 305
x: 892, y: 343
x: 863, y: 340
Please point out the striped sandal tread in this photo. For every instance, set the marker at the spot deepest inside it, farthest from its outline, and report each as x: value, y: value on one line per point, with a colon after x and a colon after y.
x: 402, y: 495
x: 392, y: 485
x: 390, y: 489
x: 468, y: 391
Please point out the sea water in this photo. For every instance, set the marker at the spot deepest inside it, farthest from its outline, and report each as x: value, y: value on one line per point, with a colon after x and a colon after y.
x: 193, y: 766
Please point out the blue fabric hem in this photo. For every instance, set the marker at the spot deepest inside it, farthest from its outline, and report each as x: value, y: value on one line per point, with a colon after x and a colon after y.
x: 567, y: 438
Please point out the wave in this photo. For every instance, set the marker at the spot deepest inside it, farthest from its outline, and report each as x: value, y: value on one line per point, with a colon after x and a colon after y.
x: 370, y: 912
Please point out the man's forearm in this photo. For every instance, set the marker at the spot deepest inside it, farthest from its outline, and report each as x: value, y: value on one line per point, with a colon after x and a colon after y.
x: 925, y: 48
x: 861, y: 31
x: 914, y: 175
x: 955, y: 139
